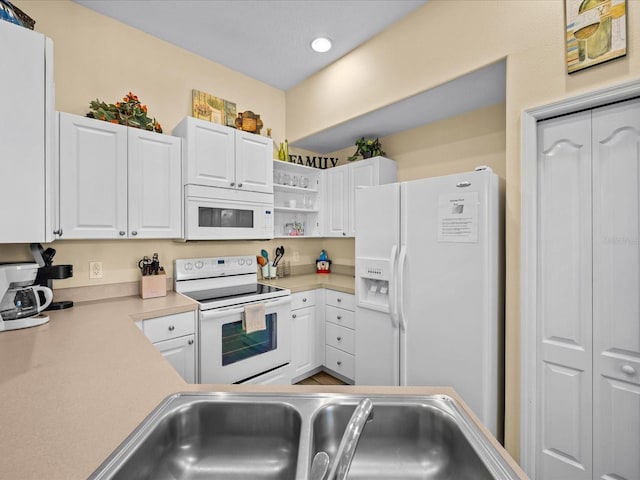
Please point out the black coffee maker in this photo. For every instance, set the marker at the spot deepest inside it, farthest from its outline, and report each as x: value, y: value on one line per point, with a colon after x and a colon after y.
x: 48, y: 272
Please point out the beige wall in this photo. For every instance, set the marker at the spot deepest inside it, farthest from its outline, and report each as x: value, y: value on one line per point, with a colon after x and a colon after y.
x: 444, y: 40
x: 454, y: 145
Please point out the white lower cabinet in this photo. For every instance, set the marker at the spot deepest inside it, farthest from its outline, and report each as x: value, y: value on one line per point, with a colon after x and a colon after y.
x: 180, y: 353
x: 175, y: 337
x: 306, y: 355
x: 340, y: 334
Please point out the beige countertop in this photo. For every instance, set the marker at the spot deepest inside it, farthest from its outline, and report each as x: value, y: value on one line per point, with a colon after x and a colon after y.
x: 73, y: 389
x: 300, y: 283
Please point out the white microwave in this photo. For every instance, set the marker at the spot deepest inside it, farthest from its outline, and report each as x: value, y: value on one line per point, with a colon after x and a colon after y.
x: 213, y: 213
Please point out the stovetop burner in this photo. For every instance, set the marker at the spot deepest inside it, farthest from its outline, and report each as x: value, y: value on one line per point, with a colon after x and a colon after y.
x: 236, y: 292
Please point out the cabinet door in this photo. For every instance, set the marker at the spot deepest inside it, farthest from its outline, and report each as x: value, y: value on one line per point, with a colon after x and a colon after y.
x: 362, y: 174
x: 24, y: 152
x: 210, y: 153
x: 93, y: 178
x: 180, y: 353
x: 254, y: 162
x: 155, y: 185
x: 303, y: 353
x: 337, y: 202
x: 616, y: 283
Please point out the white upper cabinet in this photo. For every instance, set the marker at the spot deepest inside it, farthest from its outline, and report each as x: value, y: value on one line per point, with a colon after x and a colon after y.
x: 155, y: 189
x: 337, y: 202
x: 118, y: 182
x: 254, y: 162
x: 27, y: 156
x: 341, y: 186
x: 297, y: 200
x: 367, y: 173
x: 219, y: 156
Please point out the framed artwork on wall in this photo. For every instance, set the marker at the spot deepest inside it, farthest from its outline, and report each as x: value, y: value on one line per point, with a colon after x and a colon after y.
x: 596, y: 32
x: 213, y: 109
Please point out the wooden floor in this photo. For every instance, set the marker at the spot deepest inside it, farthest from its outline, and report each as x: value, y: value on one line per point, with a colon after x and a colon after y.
x: 321, y: 378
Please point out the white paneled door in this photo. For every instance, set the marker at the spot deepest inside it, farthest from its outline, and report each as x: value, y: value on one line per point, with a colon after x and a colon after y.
x: 588, y: 325
x: 564, y: 373
x: 616, y: 288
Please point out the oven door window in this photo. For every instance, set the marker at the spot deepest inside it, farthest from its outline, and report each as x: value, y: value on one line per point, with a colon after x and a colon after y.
x: 237, y: 345
x: 225, y: 217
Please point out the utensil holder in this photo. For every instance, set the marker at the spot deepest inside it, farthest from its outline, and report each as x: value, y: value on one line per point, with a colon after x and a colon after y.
x: 152, y: 286
x: 268, y: 271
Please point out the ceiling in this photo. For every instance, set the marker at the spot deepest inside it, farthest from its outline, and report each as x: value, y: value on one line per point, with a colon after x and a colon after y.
x: 268, y: 40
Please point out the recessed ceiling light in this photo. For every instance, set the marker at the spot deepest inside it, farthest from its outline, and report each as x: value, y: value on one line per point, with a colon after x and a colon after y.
x: 321, y: 44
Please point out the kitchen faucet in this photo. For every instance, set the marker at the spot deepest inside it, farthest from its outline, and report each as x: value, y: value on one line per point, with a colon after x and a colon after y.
x: 350, y: 438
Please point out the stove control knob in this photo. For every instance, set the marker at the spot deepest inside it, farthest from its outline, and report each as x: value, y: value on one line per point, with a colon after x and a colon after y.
x: 241, y: 261
x: 188, y: 266
x: 199, y: 264
x: 249, y: 261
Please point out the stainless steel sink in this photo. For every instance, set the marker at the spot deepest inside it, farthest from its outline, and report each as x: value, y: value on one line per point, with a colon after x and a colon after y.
x: 231, y: 440
x: 259, y: 436
x: 409, y: 441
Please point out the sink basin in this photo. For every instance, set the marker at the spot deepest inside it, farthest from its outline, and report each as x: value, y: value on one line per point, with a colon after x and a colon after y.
x: 267, y: 436
x: 401, y: 441
x: 230, y: 440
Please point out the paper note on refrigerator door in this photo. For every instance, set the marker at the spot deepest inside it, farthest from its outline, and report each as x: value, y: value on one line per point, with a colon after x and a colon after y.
x: 458, y: 217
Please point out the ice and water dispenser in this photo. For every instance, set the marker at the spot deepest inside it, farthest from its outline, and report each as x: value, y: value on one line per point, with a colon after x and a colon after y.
x: 373, y: 278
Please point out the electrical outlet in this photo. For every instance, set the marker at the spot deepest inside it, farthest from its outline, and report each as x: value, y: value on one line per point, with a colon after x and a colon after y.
x: 95, y: 270
x: 296, y: 256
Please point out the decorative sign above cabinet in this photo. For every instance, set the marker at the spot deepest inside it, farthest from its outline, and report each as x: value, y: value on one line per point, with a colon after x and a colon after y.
x: 315, y: 162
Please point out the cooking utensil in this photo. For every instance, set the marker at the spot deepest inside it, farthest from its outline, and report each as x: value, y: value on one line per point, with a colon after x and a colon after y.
x: 319, y: 466
x: 261, y: 261
x: 279, y: 255
x: 264, y: 253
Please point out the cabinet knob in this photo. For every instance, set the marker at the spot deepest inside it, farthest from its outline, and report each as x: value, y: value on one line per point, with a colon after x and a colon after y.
x: 339, y: 300
x: 344, y: 234
x: 171, y: 328
x: 122, y: 233
x: 628, y: 369
x: 134, y: 233
x: 58, y: 232
x: 339, y: 338
x: 233, y: 184
x: 239, y: 185
x: 293, y: 315
x: 304, y: 300
x: 190, y: 342
x: 339, y: 317
x: 339, y: 362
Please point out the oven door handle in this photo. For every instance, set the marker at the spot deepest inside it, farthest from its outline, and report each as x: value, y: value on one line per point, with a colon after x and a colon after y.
x: 216, y: 313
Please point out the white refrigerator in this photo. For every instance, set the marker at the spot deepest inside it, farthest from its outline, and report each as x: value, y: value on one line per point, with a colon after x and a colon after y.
x: 429, y: 307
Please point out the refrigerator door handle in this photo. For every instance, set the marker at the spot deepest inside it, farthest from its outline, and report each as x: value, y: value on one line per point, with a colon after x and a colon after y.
x: 393, y: 291
x: 400, y: 292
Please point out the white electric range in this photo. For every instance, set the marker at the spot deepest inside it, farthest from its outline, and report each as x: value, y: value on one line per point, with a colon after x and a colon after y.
x: 223, y: 286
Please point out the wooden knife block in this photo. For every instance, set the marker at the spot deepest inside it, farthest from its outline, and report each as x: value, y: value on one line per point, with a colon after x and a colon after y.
x: 152, y: 286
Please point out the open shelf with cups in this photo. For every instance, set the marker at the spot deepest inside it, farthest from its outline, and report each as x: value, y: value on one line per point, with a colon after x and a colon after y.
x: 297, y: 200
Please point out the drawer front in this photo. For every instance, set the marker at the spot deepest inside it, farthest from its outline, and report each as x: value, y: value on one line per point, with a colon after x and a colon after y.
x: 303, y: 299
x: 340, y: 316
x: 340, y: 337
x: 169, y: 326
x: 341, y: 299
x: 340, y: 362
